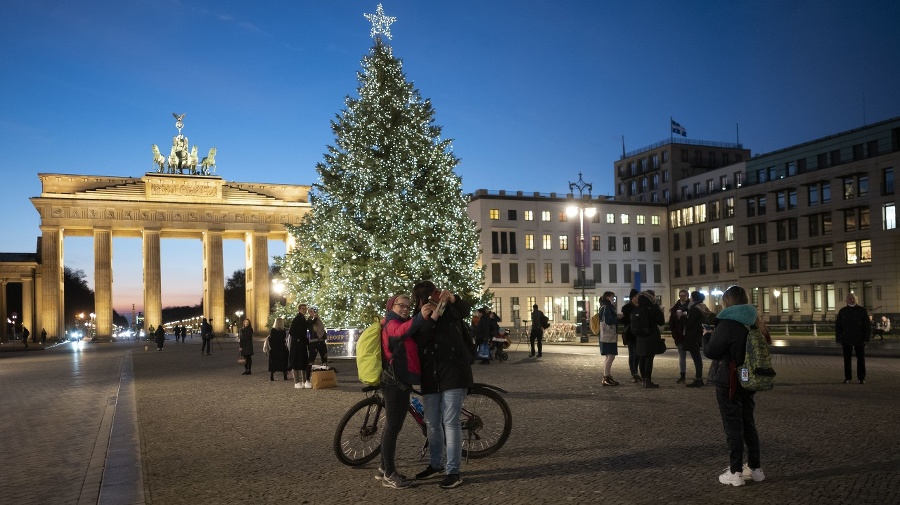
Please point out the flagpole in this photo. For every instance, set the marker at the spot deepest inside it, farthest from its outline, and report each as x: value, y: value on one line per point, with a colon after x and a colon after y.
x: 623, y: 146
x: 671, y: 137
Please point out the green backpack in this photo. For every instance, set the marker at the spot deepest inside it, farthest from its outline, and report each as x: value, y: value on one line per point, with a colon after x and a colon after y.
x: 756, y: 374
x: 368, y: 355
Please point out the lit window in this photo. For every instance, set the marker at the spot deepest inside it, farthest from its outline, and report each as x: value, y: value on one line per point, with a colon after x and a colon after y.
x: 729, y: 233
x: 529, y: 241
x: 545, y: 215
x: 624, y: 218
x: 529, y: 215
x: 548, y: 242
x: 495, y: 214
x: 889, y: 216
x: 654, y: 220
x: 610, y: 219
x: 714, y: 235
x: 563, y: 242
x: 641, y: 219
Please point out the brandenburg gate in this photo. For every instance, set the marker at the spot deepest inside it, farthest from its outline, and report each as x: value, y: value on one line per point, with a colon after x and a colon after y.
x: 156, y: 206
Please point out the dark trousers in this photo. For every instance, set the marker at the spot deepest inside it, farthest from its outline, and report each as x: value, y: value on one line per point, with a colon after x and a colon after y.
x: 740, y: 427
x: 860, y: 361
x: 396, y: 403
x: 645, y: 365
x: 539, y: 337
x: 318, y: 347
x: 207, y: 345
x: 248, y: 363
x: 632, y: 360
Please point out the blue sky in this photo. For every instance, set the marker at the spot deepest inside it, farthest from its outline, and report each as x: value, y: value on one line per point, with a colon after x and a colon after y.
x: 532, y: 92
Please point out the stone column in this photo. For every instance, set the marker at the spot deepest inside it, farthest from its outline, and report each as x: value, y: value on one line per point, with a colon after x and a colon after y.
x: 214, y: 280
x: 28, y: 308
x: 152, y: 281
x: 4, y: 327
x: 257, y: 280
x: 52, y: 296
x: 103, y: 283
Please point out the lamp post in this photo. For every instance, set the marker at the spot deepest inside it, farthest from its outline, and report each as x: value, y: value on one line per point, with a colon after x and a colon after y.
x: 581, y: 210
x: 240, y: 322
x: 93, y: 325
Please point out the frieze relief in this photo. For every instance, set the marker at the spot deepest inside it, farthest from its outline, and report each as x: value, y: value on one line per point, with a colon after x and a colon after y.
x: 186, y: 188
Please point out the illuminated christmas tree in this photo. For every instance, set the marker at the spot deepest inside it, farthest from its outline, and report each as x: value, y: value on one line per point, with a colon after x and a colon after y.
x: 388, y: 209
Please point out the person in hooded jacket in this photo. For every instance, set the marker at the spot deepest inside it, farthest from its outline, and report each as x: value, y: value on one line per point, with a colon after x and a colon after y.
x: 627, y: 336
x: 677, y: 316
x: 697, y: 315
x: 447, y: 357
x: 646, y: 334
x: 726, y: 346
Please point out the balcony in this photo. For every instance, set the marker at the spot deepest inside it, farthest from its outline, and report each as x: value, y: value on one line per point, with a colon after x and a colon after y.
x: 586, y: 284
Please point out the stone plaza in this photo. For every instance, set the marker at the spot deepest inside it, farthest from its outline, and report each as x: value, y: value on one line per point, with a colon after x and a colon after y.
x: 115, y: 423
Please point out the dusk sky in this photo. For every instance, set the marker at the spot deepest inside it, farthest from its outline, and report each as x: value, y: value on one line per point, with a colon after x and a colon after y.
x: 532, y: 92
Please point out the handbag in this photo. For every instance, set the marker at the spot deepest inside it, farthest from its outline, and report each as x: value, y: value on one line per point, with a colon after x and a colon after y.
x: 484, y: 351
x: 661, y: 346
x: 242, y: 361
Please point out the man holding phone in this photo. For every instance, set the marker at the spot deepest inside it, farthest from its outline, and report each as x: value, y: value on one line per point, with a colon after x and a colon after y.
x: 695, y: 325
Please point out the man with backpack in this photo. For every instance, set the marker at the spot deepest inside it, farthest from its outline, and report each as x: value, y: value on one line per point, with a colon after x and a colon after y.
x: 538, y: 323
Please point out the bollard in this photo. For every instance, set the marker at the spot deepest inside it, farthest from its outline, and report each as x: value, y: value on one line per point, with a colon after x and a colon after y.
x: 814, y: 330
x: 787, y: 331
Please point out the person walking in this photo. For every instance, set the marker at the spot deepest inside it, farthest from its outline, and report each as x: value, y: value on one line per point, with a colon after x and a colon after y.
x: 677, y: 316
x: 246, y: 346
x: 852, y: 329
x: 276, y: 348
x: 25, y: 334
x: 318, y: 338
x: 628, y: 337
x: 43, y: 336
x: 160, y: 337
x: 446, y: 378
x: 726, y: 346
x: 206, y: 335
x: 646, y: 319
x: 401, y: 368
x: 698, y: 314
x: 537, y: 331
x: 609, y: 336
x: 298, y: 348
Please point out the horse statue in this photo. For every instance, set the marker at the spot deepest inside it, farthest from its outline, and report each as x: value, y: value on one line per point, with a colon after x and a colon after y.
x: 158, y: 159
x: 208, y: 161
x: 192, y: 161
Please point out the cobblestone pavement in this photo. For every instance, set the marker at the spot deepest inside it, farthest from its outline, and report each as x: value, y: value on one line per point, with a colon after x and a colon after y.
x: 206, y: 434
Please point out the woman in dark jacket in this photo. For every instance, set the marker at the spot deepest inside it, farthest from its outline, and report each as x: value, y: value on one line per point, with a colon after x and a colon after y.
x: 726, y: 346
x: 697, y: 315
x: 647, y: 334
x: 276, y: 347
x: 447, y: 355
x: 246, y: 346
x: 627, y: 337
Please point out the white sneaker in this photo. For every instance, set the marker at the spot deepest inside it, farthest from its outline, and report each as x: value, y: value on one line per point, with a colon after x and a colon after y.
x: 757, y: 475
x: 307, y: 385
x: 735, y: 479
x: 298, y: 385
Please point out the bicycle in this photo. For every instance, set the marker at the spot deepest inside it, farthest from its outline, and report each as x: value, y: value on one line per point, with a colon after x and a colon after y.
x: 486, y: 424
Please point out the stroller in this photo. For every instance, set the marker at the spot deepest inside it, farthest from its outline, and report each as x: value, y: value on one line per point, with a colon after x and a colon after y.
x: 499, y: 343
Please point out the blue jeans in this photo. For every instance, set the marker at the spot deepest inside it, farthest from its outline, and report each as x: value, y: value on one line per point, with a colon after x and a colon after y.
x: 682, y: 361
x: 442, y: 412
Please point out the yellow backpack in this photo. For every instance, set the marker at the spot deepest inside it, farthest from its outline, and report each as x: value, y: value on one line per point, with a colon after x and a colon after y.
x: 368, y: 355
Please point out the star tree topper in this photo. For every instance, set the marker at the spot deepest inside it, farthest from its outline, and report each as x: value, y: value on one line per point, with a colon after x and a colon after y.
x: 380, y: 22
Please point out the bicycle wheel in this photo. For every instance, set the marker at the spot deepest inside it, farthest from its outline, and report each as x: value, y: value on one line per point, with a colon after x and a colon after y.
x: 486, y: 422
x: 358, y: 437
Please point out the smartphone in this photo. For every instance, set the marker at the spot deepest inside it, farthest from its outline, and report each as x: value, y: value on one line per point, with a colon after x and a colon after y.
x: 708, y: 327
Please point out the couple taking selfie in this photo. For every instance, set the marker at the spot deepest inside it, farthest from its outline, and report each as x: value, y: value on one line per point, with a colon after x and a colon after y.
x: 425, y: 343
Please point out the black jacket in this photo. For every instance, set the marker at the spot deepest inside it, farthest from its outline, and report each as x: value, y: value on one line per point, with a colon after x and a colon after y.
x: 852, y: 326
x: 447, y: 352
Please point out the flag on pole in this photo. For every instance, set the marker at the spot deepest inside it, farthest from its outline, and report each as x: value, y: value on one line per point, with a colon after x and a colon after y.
x: 677, y: 129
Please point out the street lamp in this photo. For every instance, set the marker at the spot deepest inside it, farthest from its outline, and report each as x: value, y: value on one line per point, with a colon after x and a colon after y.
x: 239, y: 322
x: 581, y: 261
x: 93, y: 326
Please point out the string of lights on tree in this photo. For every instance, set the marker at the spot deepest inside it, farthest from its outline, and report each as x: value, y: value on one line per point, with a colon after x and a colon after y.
x: 388, y: 209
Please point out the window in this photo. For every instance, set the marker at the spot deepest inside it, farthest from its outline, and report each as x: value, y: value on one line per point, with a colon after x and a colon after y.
x: 812, y: 193
x: 764, y: 262
x: 563, y: 217
x: 701, y: 264
x: 781, y: 230
x: 598, y: 268
x: 782, y: 260
x: 595, y: 243
x: 859, y: 251
x: 514, y: 273
x: 729, y: 207
x: 657, y: 273
x: 792, y: 228
x: 564, y: 273
x: 716, y: 267
x: 677, y: 267
x: 494, y: 214
x: 849, y: 219
x: 761, y: 233
x: 730, y: 261
x: 676, y: 242
x: 701, y: 238
x: 626, y: 272
x: 640, y: 219
x: 715, y: 210
x: 626, y: 243
x: 548, y: 272
x: 563, y: 242
x: 654, y: 220
x: 714, y: 236
x: 529, y: 215
x: 889, y: 216
x: 826, y: 192
x: 503, y: 242
x: 495, y: 273
x: 849, y: 189
x: 642, y: 244
x: 624, y: 218
x: 547, y: 242
x: 511, y: 214
x: 729, y: 233
x: 611, y: 245
x: 530, y: 273
x: 821, y: 257
x: 610, y: 219
x: 545, y: 216
x: 529, y: 241
x: 780, y: 201
x: 751, y: 206
x: 794, y: 258
x: 761, y: 206
x: 657, y: 247
x: 689, y: 263
x: 887, y: 181
x: 613, y: 273
x: 818, y: 297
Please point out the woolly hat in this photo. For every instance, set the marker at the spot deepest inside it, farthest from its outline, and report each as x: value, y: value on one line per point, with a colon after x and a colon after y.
x: 632, y: 294
x: 390, y: 303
